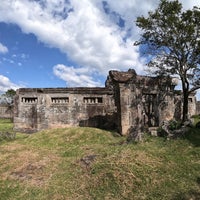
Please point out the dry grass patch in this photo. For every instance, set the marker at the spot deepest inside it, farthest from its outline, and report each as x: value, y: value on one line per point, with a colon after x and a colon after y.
x: 86, y: 163
x: 122, y: 173
x: 29, y: 166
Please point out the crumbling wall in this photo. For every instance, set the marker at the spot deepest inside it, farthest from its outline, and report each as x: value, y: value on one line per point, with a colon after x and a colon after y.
x: 198, y: 108
x: 128, y: 102
x: 141, y: 101
x: 37, y: 109
x: 5, y: 111
x: 192, y: 105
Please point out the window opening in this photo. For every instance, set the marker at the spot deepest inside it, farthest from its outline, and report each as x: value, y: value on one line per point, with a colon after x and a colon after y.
x: 60, y: 100
x: 29, y: 99
x: 92, y: 100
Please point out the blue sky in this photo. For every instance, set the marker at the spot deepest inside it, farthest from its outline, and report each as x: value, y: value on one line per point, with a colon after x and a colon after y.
x: 28, y: 61
x: 69, y: 43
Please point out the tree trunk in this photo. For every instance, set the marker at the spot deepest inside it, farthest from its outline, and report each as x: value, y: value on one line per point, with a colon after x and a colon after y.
x: 185, y: 105
x: 185, y: 90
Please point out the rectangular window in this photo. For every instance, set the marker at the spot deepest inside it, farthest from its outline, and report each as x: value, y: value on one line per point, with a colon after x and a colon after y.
x: 100, y: 100
x: 60, y: 100
x: 29, y: 100
x: 92, y: 100
x: 190, y: 100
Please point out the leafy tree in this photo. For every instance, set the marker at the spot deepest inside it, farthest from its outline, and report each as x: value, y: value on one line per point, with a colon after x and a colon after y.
x: 10, y: 93
x: 171, y: 36
x: 8, y: 96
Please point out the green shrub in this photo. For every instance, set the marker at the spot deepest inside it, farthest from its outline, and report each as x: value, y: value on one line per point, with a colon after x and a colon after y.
x: 196, y: 119
x: 161, y: 132
x: 174, y: 125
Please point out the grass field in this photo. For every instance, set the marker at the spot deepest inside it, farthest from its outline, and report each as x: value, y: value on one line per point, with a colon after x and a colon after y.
x: 88, y: 163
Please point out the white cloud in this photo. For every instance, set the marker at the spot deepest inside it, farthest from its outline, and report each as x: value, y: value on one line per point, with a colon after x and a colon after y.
x: 23, y: 56
x: 75, y: 76
x: 6, y: 84
x: 189, y: 4
x: 3, y: 49
x: 87, y: 31
x: 8, y: 60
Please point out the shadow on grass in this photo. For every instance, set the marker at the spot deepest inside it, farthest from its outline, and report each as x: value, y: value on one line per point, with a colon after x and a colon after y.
x: 193, y: 136
x: 192, y: 194
x: 198, y: 181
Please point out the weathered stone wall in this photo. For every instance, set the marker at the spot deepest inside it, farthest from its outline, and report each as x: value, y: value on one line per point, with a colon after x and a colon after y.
x: 178, y: 105
x: 129, y: 102
x: 5, y: 111
x: 198, y: 107
x: 144, y: 101
x: 141, y: 101
x: 192, y: 105
x: 37, y: 109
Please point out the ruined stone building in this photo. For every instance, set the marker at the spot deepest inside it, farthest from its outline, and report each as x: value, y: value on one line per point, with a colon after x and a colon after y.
x: 128, y: 101
x: 5, y: 111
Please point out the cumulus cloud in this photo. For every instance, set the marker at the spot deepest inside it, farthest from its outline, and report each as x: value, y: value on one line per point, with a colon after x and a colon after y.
x: 75, y: 76
x: 94, y: 34
x: 80, y: 29
x: 6, y: 84
x: 3, y: 49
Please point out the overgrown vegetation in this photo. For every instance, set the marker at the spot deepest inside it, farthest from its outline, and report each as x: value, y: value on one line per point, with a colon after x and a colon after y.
x: 196, y: 119
x: 170, y: 39
x: 88, y: 163
x: 6, y: 132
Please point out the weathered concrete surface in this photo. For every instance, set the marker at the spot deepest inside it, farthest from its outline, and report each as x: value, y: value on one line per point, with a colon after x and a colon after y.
x: 128, y: 102
x: 198, y: 107
x: 37, y: 109
x: 6, y: 111
x: 144, y: 101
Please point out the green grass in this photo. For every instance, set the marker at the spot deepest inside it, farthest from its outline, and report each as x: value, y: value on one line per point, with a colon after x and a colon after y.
x: 6, y: 125
x: 88, y: 163
x: 196, y: 119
